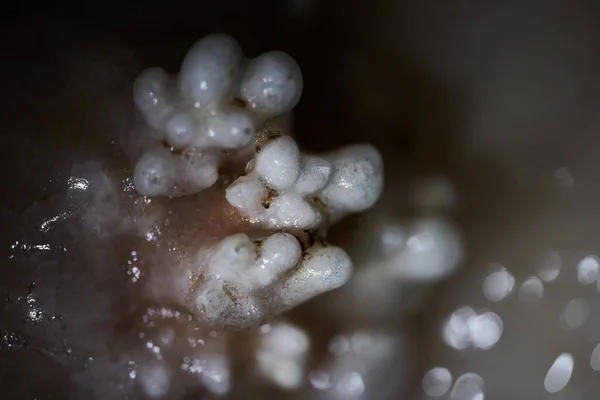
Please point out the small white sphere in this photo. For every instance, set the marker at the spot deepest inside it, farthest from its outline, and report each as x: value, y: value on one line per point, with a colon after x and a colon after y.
x: 272, y: 83
x: 231, y: 130
x: 209, y: 69
x: 279, y: 163
x: 154, y: 173
x: 314, y: 174
x: 279, y: 253
x: 246, y: 193
x: 180, y: 130
x: 357, y: 179
x: 150, y: 94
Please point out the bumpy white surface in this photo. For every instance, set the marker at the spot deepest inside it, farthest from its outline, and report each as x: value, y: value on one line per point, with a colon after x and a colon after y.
x: 282, y: 354
x: 214, y: 104
x: 272, y: 83
x: 287, y: 189
x: 246, y: 281
x: 160, y: 172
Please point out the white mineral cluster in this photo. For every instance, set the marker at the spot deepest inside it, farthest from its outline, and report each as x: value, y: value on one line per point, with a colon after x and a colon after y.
x: 216, y: 104
x: 246, y: 281
x: 220, y: 109
x: 287, y: 189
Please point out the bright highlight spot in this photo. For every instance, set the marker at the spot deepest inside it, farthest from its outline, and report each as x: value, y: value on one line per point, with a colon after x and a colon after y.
x: 559, y: 373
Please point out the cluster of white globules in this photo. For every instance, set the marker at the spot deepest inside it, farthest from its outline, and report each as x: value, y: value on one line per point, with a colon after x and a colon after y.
x: 287, y: 189
x: 246, y: 281
x: 215, y: 104
x: 221, y: 103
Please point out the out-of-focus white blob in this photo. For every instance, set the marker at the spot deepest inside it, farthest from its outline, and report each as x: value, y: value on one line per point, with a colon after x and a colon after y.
x: 339, y: 345
x: 559, y: 374
x: 435, y: 194
x: 468, y: 386
x: 595, y: 358
x: 392, y: 238
x: 563, y: 178
x: 282, y: 355
x: 456, y: 332
x: 216, y: 375
x: 433, y: 249
x: 319, y: 380
x: 238, y: 269
x: 155, y: 380
x: 437, y: 382
x: 304, y: 191
x: 208, y: 358
x: 485, y: 330
x: 272, y: 84
x: 575, y: 313
x: 498, y: 284
x: 350, y: 385
x: 550, y: 267
x: 465, y: 328
x: 532, y: 290
x: 209, y: 69
x: 98, y: 196
x: 150, y: 95
x: 588, y: 270
x: 371, y: 365
x: 198, y: 112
